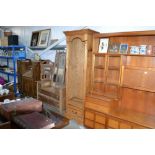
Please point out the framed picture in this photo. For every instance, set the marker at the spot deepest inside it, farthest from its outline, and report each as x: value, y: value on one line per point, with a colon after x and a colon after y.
x: 153, y: 50
x: 114, y: 47
x: 44, y: 38
x: 143, y: 49
x: 123, y: 49
x: 134, y: 50
x: 149, y: 50
x: 103, y: 46
x: 34, y: 39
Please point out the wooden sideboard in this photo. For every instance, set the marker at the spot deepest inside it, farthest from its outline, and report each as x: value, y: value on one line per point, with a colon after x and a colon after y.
x: 122, y: 91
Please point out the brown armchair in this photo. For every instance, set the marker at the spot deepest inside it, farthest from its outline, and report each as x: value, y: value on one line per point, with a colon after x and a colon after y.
x: 51, y: 89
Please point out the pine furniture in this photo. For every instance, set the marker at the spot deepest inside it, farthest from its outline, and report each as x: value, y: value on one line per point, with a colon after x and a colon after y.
x: 122, y: 91
x: 78, y: 71
x: 51, y: 89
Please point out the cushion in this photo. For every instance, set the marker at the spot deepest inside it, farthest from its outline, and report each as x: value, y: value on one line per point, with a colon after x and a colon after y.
x: 34, y: 120
x: 20, y: 107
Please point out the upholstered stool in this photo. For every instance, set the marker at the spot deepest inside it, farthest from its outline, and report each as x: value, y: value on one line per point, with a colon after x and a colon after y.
x: 33, y: 120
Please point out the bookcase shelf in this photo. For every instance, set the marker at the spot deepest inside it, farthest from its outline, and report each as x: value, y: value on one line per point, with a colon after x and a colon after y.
x: 14, y: 53
x: 113, y: 68
x: 99, y: 67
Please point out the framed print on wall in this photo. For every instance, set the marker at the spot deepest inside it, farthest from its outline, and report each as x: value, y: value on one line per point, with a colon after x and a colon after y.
x: 44, y: 38
x: 34, y: 39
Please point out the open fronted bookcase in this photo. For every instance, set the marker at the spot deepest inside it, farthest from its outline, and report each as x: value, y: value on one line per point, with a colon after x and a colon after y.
x: 122, y: 91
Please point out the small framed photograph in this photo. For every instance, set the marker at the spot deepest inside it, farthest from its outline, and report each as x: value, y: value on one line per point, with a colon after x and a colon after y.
x: 143, y: 49
x: 103, y: 46
x: 44, y: 38
x: 123, y: 49
x: 153, y: 50
x: 134, y: 50
x: 149, y: 50
x: 114, y: 48
x: 34, y: 39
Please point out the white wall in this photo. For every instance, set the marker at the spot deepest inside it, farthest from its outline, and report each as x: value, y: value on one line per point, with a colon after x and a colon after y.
x: 25, y: 33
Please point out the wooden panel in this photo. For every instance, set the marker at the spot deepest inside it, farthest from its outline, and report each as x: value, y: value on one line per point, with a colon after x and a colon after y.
x: 139, y: 78
x: 100, y: 118
x: 133, y: 78
x: 136, y: 40
x: 139, y: 127
x: 140, y: 61
x: 100, y: 60
x: 112, y: 123
x: 89, y: 123
x: 99, y: 75
x: 113, y: 76
x: 114, y: 61
x: 75, y: 111
x: 124, y: 125
x: 99, y: 126
x: 89, y: 115
x: 149, y: 82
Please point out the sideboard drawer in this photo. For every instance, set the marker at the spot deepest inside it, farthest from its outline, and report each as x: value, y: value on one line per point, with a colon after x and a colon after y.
x: 112, y: 123
x: 89, y: 115
x: 99, y: 126
x: 124, y: 125
x: 88, y: 123
x: 100, y: 118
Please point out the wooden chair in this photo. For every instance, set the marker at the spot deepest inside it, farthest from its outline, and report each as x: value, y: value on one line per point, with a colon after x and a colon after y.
x: 51, y: 89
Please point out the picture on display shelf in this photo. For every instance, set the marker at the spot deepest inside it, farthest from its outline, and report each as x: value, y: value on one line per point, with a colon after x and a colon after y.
x: 114, y: 48
x: 143, y: 49
x: 123, y: 49
x: 103, y: 46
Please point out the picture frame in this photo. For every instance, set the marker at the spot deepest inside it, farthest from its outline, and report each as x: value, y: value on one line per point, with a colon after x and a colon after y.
x: 149, y: 50
x: 34, y: 39
x: 114, y: 48
x: 134, y: 50
x: 103, y: 46
x: 40, y: 38
x: 153, y: 50
x: 143, y: 49
x: 123, y: 49
x: 44, y: 38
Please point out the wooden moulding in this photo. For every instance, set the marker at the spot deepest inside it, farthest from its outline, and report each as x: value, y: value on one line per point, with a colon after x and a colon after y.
x: 125, y: 34
x: 80, y: 32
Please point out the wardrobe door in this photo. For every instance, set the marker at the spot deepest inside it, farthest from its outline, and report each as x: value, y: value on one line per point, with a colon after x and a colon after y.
x: 76, y: 71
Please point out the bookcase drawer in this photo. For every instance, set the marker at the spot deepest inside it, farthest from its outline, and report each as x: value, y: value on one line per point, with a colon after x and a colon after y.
x: 99, y: 126
x: 136, y: 126
x: 100, y: 118
x: 112, y: 123
x: 88, y: 123
x: 124, y: 125
x: 89, y: 115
